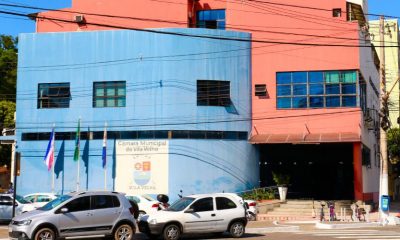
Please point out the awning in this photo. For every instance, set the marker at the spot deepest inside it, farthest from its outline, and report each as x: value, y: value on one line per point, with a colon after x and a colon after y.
x: 305, y: 138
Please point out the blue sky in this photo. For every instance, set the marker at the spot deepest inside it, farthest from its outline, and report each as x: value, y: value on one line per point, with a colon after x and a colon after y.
x: 12, y: 25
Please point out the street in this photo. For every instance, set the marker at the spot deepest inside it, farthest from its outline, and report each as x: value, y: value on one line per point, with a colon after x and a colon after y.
x: 306, y: 232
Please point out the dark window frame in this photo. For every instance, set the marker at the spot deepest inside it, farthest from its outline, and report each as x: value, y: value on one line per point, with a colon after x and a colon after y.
x: 215, y: 93
x: 221, y: 205
x: 53, y: 95
x: 336, y: 12
x: 211, y: 23
x: 104, y: 85
x: 335, y: 85
x: 260, y: 90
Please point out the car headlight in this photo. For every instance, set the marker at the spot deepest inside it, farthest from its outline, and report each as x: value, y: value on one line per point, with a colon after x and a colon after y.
x: 153, y: 221
x: 22, y: 223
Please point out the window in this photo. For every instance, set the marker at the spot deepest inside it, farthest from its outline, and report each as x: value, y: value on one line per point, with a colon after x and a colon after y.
x: 261, y: 90
x: 337, y: 12
x: 224, y: 203
x: 214, y: 19
x: 102, y: 201
x: 320, y: 89
x: 79, y: 204
x: 203, y: 205
x: 109, y: 94
x: 53, y: 95
x: 43, y: 198
x: 213, y: 93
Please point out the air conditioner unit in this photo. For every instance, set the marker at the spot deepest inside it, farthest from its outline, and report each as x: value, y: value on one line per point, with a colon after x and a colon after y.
x: 79, y: 19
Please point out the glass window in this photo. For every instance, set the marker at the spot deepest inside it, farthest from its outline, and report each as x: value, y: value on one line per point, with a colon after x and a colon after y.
x: 349, y: 88
x: 300, y: 102
x: 109, y: 94
x: 284, y: 102
x: 316, y: 102
x: 333, y: 101
x: 203, y: 205
x: 214, y: 19
x: 349, y: 77
x: 300, y: 89
x: 78, y: 204
x: 224, y: 203
x: 213, y: 93
x: 284, y: 90
x: 283, y: 78
x: 102, y: 201
x: 316, y: 89
x: 349, y: 101
x: 332, y: 89
x: 115, y: 201
x: 300, y: 77
x: 53, y: 95
x: 332, y: 77
x: 316, y: 77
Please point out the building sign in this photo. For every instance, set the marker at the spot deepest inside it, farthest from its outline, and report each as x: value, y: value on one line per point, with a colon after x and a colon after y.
x: 142, y: 167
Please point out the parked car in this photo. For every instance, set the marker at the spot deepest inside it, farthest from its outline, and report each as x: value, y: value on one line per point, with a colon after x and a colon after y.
x: 40, y: 199
x: 6, y: 206
x: 203, y: 213
x: 78, y: 215
x: 146, y: 204
x: 252, y: 210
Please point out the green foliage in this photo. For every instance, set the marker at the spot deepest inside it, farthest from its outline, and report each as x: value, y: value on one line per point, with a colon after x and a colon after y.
x: 393, y: 145
x: 260, y: 194
x: 281, y: 179
x: 8, y: 67
x: 7, y: 110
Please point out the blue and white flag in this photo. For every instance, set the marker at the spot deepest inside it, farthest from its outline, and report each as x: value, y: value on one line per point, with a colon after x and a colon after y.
x: 104, y: 155
x: 49, y: 157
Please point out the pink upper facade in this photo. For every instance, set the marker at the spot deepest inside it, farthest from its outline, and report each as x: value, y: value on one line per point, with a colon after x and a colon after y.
x: 267, y: 22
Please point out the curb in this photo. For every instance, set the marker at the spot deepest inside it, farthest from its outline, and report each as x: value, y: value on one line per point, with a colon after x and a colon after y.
x: 278, y: 228
x: 345, y: 226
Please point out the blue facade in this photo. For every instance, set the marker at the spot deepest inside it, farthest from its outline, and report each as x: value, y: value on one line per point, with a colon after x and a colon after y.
x: 161, y: 72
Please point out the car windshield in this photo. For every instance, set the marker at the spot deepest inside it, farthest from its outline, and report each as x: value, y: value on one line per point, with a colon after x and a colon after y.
x: 21, y: 200
x: 180, y: 204
x: 52, y: 204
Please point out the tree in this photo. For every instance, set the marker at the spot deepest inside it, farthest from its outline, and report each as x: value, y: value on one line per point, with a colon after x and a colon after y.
x: 393, y: 145
x: 8, y: 67
x: 7, y: 109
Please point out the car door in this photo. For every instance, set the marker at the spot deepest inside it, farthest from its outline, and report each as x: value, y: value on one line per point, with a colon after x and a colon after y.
x: 226, y: 211
x: 77, y: 221
x: 202, y: 219
x: 105, y: 212
x: 5, y: 207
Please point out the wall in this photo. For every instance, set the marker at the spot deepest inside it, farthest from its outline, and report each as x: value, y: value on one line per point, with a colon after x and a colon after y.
x: 161, y: 95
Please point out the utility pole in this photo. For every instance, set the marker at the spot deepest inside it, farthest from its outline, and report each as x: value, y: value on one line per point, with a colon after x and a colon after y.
x: 384, y: 176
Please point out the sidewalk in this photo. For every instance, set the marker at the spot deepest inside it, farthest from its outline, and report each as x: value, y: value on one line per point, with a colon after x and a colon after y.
x: 259, y: 227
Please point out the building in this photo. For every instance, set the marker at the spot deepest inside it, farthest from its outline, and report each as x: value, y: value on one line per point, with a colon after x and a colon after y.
x: 314, y: 81
x: 170, y: 113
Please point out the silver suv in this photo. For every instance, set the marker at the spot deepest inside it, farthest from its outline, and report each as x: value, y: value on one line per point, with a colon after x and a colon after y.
x: 77, y: 215
x: 203, y: 213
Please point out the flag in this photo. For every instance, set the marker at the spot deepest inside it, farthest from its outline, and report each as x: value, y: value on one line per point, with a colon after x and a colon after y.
x: 104, y: 155
x: 49, y: 157
x: 77, y: 141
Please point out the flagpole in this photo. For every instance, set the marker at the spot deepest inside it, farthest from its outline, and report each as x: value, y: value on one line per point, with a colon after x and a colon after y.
x: 105, y: 157
x: 54, y: 162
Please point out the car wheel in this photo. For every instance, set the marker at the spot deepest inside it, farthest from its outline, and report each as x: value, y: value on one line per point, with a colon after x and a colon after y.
x: 141, y: 214
x: 237, y: 229
x: 123, y: 232
x: 172, y: 232
x: 45, y: 234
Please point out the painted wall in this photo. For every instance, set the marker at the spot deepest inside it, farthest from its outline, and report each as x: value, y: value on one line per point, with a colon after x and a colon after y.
x: 392, y: 66
x: 160, y: 95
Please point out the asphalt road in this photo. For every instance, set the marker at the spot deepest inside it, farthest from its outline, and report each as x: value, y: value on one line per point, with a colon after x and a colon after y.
x: 306, y: 232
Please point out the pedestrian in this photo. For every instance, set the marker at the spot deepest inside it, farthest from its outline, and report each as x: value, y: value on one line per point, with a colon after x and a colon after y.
x: 10, y: 188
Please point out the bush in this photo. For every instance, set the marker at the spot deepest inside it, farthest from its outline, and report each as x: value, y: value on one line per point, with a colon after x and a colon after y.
x: 259, y: 194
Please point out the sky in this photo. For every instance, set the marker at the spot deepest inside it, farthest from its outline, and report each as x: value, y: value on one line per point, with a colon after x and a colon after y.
x: 11, y: 25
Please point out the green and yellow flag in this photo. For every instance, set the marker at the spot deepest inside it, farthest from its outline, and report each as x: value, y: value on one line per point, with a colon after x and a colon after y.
x: 77, y: 141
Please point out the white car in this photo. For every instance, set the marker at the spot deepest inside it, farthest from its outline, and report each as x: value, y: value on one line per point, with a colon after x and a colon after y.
x: 40, y: 199
x: 6, y: 206
x: 146, y: 204
x: 202, y: 213
x: 252, y: 210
